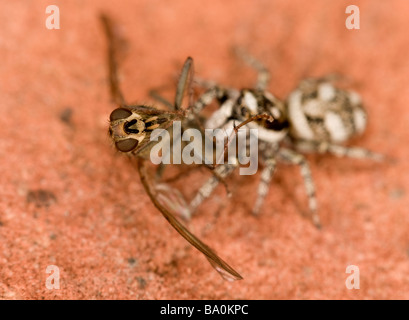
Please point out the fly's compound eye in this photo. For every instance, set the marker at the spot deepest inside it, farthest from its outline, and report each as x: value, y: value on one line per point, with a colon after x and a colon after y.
x: 126, y: 145
x: 119, y: 114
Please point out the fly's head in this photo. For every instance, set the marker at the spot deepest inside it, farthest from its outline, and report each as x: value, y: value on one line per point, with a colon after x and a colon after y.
x: 131, y: 127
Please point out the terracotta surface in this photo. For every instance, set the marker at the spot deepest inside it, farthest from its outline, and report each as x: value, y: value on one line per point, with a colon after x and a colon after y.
x: 68, y: 199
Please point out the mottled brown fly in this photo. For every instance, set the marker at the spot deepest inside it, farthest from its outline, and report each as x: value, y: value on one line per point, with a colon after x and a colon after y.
x: 130, y: 129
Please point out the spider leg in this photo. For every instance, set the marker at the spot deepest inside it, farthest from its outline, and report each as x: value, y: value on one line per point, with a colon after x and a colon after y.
x: 339, y: 151
x: 203, y: 83
x: 206, y: 190
x: 205, y: 99
x: 264, y: 185
x: 354, y: 152
x: 263, y: 75
x: 220, y: 117
x: 293, y: 157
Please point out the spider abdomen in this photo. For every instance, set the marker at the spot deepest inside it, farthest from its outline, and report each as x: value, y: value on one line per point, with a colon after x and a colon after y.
x: 320, y: 112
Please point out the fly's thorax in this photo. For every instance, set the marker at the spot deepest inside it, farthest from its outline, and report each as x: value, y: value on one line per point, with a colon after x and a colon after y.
x: 320, y: 112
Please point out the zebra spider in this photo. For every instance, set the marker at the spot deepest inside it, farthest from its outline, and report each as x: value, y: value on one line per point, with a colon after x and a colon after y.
x: 131, y: 128
x: 316, y: 117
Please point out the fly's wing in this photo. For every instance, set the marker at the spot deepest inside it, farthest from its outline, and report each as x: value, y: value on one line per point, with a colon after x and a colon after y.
x: 185, y: 82
x: 226, y: 271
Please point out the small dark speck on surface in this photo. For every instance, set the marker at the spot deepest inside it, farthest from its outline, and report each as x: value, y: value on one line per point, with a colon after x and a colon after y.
x: 141, y: 282
x: 41, y: 198
x: 396, y: 193
x: 66, y: 116
x: 132, y: 261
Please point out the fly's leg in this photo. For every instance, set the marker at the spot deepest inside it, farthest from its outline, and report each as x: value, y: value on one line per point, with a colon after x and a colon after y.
x: 113, y: 49
x: 263, y: 75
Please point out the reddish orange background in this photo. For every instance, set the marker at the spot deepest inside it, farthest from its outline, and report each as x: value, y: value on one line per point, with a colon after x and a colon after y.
x: 94, y: 220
